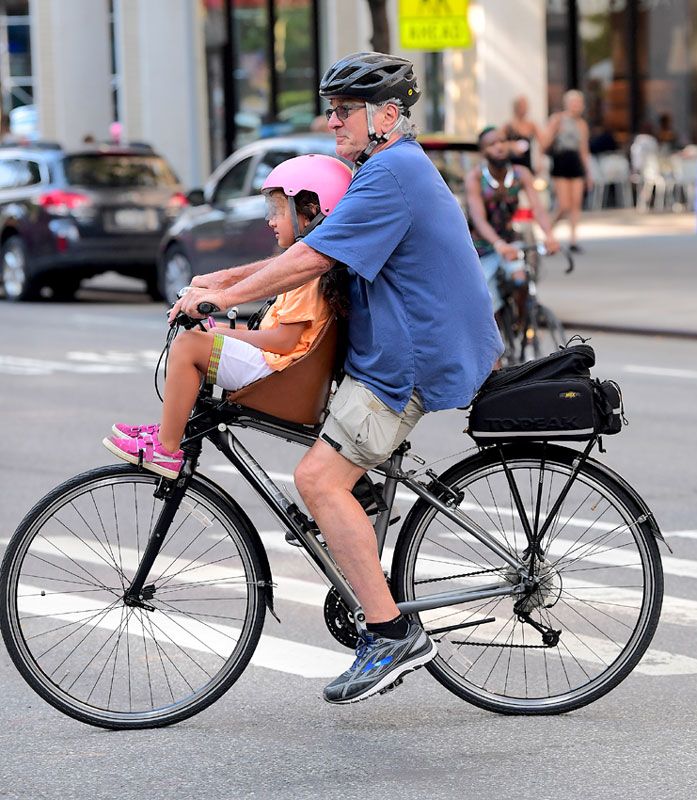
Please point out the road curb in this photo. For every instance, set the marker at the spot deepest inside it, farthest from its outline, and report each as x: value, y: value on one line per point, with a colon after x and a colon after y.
x: 630, y: 330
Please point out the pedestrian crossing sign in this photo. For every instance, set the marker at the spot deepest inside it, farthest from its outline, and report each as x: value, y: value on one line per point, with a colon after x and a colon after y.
x: 434, y: 24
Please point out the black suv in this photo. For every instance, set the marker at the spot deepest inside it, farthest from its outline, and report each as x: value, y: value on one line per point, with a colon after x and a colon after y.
x: 69, y: 216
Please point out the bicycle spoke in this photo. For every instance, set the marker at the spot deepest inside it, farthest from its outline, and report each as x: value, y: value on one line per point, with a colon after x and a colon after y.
x: 116, y: 663
x: 516, y: 661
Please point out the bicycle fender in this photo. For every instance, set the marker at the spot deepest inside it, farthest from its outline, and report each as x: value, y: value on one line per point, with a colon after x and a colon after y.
x: 256, y: 539
x: 636, y: 497
x: 610, y: 473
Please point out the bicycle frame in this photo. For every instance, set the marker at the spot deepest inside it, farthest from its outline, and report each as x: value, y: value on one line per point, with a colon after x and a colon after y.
x: 212, y: 420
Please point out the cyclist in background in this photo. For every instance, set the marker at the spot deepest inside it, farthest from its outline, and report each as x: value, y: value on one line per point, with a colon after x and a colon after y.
x: 421, y: 333
x: 493, y: 188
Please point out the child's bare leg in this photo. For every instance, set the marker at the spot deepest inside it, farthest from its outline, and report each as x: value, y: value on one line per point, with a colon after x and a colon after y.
x: 188, y: 360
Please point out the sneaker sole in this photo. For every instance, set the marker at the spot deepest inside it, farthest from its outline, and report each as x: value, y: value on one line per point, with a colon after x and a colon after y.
x: 158, y: 470
x: 392, y: 679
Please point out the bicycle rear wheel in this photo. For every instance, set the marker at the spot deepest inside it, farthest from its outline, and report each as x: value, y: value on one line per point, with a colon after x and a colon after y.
x: 600, y: 583
x: 82, y: 649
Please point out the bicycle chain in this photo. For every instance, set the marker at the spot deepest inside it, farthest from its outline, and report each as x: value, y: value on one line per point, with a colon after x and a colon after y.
x: 512, y: 646
x: 462, y: 575
x: 484, y: 644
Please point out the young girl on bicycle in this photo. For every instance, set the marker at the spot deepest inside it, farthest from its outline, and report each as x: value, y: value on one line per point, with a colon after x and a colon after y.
x: 299, y: 192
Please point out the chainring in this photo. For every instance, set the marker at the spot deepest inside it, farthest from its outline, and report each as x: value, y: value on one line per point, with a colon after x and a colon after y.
x: 340, y: 620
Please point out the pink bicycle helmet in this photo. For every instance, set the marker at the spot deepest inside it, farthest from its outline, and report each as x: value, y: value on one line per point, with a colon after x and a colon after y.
x: 327, y: 177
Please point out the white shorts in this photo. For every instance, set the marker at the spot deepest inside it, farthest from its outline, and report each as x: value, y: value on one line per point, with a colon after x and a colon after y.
x: 234, y: 363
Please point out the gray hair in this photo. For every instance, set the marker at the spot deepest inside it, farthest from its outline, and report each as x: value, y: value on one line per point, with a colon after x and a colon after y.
x: 404, y: 126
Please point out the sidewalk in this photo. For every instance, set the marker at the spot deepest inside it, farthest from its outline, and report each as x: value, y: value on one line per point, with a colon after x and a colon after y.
x: 637, y: 274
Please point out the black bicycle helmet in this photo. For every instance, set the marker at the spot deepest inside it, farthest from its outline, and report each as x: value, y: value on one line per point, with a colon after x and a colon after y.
x: 373, y: 77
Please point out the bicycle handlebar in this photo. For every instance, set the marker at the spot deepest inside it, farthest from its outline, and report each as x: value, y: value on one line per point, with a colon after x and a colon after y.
x: 185, y: 321
x: 542, y: 250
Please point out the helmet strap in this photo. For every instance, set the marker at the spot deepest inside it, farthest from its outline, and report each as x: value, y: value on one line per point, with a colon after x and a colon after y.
x: 310, y: 226
x: 376, y: 139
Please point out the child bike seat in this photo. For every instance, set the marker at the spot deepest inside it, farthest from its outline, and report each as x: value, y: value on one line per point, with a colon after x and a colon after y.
x: 300, y: 392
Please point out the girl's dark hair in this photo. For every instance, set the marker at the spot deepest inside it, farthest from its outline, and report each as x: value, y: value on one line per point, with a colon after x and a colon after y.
x: 334, y: 284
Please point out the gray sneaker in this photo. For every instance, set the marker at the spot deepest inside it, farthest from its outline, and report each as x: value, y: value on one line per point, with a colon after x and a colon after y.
x: 380, y: 664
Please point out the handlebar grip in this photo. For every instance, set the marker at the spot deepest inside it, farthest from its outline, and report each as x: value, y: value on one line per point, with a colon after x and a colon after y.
x: 207, y: 308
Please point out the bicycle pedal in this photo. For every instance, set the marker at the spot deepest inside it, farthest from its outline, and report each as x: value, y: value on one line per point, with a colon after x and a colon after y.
x: 290, y: 538
x: 295, y: 542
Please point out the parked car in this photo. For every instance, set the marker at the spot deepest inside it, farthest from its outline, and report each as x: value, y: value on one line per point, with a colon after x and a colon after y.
x: 225, y: 223
x: 69, y: 216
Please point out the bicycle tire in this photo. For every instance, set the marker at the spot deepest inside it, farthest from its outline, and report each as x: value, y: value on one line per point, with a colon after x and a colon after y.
x: 94, y: 658
x: 541, y: 334
x: 607, y: 622
x: 506, y: 317
x: 547, y: 320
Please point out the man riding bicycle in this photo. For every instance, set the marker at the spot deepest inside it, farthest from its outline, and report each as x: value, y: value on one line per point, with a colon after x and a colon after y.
x: 493, y: 194
x: 421, y: 333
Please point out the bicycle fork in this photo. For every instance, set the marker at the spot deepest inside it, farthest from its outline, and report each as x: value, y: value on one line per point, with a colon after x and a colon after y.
x: 172, y: 492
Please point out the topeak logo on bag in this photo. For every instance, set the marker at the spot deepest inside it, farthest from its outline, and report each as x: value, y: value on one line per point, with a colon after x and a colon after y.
x: 569, y: 395
x: 534, y: 423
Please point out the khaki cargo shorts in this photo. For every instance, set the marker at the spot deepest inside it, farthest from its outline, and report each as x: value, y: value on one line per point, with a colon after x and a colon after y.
x: 363, y: 428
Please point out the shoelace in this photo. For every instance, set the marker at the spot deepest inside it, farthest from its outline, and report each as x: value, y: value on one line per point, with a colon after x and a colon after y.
x: 365, y: 643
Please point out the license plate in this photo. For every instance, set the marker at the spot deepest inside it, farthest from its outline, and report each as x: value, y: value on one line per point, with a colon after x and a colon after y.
x: 135, y: 219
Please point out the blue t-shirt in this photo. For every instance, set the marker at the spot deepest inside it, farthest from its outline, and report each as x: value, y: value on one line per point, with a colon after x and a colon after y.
x: 421, y: 316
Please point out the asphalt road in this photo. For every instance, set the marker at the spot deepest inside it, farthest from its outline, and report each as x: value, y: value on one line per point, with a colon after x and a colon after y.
x: 68, y: 371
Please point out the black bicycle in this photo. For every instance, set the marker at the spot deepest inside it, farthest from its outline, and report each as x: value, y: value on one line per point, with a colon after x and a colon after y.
x: 528, y: 328
x: 133, y: 601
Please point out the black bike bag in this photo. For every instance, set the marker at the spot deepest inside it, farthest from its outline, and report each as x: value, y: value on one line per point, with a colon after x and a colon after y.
x: 567, y: 362
x: 550, y: 398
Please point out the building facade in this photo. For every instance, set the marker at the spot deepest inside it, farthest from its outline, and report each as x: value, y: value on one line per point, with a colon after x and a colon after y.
x: 197, y: 78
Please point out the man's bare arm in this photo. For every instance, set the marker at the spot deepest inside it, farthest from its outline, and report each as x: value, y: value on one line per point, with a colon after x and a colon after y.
x: 224, y: 278
x: 296, y: 266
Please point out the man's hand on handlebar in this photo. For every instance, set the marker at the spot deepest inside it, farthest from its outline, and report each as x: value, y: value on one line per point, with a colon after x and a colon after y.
x: 189, y: 303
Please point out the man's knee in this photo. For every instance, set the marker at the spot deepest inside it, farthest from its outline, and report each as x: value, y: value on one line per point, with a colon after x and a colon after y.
x: 322, y: 471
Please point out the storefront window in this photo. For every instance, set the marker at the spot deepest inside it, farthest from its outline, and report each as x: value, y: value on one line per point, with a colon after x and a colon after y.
x: 667, y: 37
x: 294, y: 47
x: 252, y: 72
x: 262, y: 69
x: 635, y: 61
x: 558, y: 78
x: 604, y: 67
x: 16, y: 80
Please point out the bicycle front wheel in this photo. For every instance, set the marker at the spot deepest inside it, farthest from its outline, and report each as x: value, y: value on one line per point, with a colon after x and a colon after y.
x: 79, y: 646
x: 542, y: 334
x: 597, y: 595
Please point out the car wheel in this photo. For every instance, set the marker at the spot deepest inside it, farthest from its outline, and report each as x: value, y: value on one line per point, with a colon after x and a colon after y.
x: 19, y: 284
x: 175, y: 272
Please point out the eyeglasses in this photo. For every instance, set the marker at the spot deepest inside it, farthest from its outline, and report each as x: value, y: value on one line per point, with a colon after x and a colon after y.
x: 342, y: 111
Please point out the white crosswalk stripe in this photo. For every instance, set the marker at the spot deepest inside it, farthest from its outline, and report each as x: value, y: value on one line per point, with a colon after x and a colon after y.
x: 282, y: 655
x: 314, y: 662
x: 308, y: 661
x: 110, y: 362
